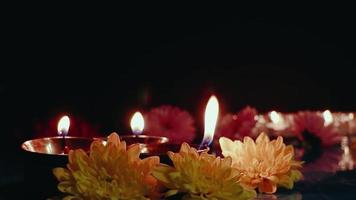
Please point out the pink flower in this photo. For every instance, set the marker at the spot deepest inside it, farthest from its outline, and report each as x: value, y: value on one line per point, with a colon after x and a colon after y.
x: 326, y: 163
x: 78, y: 127
x: 312, y: 123
x: 171, y: 122
x: 239, y: 125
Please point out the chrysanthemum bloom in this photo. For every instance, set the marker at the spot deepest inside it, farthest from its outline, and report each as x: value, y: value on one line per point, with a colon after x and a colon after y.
x: 236, y: 126
x: 171, y: 122
x: 311, y: 126
x: 264, y: 164
x: 110, y: 172
x: 201, y: 176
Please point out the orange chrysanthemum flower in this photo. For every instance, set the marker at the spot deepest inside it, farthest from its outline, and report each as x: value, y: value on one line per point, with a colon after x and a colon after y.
x: 110, y: 172
x: 201, y: 176
x: 264, y: 164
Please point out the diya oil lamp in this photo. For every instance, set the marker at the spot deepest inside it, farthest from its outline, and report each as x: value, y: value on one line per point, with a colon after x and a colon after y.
x: 41, y: 155
x: 58, y: 146
x: 137, y: 126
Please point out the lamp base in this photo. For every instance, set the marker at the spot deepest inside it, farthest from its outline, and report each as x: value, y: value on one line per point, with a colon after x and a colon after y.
x: 41, y: 156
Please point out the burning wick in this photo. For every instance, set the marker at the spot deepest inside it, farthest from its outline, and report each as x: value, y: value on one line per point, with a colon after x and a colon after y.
x: 62, y: 128
x: 210, y: 119
x: 137, y: 123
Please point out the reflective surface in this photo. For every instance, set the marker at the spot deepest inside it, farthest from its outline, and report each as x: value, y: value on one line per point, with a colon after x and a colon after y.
x: 143, y: 139
x: 54, y: 145
x: 162, y: 149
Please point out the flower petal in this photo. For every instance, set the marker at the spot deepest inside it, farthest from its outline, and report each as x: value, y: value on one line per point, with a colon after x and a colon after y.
x: 61, y: 174
x: 109, y: 172
x: 264, y: 163
x: 267, y: 186
x: 201, y: 176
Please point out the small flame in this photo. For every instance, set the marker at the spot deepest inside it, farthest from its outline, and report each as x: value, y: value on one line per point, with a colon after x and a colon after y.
x: 275, y: 117
x: 351, y: 116
x: 328, y: 117
x: 211, y: 117
x: 63, y: 126
x: 137, y: 123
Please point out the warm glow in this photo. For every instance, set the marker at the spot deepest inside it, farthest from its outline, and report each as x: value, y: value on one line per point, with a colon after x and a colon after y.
x: 278, y: 121
x: 328, y: 117
x: 351, y: 116
x: 211, y: 117
x: 275, y: 117
x: 49, y: 148
x: 63, y: 125
x: 137, y: 123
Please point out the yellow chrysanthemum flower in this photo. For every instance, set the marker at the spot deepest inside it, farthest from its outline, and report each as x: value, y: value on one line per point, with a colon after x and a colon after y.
x: 265, y: 164
x: 110, y: 172
x: 201, y: 176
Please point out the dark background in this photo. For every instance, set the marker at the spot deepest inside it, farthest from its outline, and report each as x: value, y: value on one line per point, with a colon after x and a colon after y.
x: 101, y: 66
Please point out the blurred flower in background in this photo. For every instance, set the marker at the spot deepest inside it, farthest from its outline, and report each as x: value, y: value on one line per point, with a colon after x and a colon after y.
x: 172, y: 122
x: 323, y: 165
x: 312, y: 129
x: 239, y: 125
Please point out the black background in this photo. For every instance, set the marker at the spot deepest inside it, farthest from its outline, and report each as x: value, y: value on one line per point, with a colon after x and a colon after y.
x: 103, y: 65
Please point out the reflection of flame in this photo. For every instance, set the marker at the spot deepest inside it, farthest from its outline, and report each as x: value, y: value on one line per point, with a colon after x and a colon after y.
x: 275, y: 117
x: 346, y: 162
x: 211, y: 116
x: 63, y: 125
x: 328, y: 117
x: 49, y: 148
x: 137, y: 123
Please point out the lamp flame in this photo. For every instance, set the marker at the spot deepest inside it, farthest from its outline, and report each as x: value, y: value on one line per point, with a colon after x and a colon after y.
x: 63, y: 126
x: 210, y: 119
x: 137, y: 123
x: 351, y: 116
x: 275, y: 117
x: 328, y: 117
